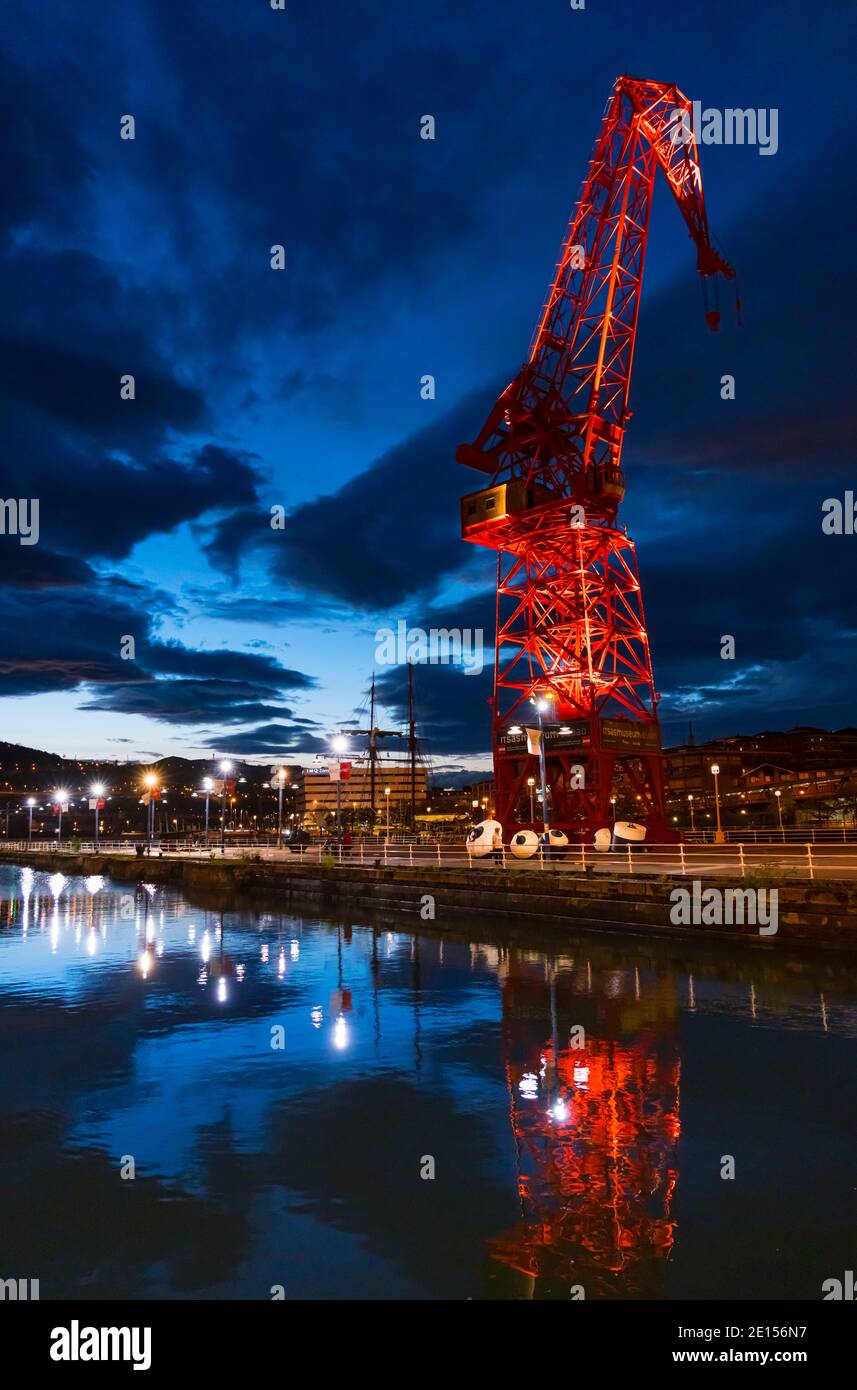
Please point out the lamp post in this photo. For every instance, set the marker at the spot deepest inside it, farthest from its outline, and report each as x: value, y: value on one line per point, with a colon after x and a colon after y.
x: 149, y: 782
x: 531, y: 782
x: 97, y: 790
x: 690, y: 804
x: 340, y: 743
x: 387, y: 803
x: 613, y: 809
x: 280, y: 779
x: 31, y: 801
x: 60, y: 799
x: 541, y: 705
x: 207, y: 785
x: 225, y: 767
x: 719, y: 837
x: 778, y: 794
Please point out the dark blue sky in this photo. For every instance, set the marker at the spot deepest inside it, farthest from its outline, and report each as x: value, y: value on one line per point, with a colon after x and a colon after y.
x: 301, y: 388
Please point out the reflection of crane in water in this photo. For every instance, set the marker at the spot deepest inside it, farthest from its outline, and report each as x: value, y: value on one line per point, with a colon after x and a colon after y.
x: 595, y: 1128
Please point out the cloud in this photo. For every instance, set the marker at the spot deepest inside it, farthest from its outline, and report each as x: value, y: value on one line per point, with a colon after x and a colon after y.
x: 391, y: 533
x: 185, y: 702
x: 278, y: 737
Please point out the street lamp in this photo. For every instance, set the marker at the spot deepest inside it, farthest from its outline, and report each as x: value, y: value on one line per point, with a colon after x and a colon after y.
x: 207, y: 785
x: 150, y: 782
x: 97, y: 790
x: 541, y: 705
x: 613, y: 809
x: 280, y: 780
x: 719, y: 837
x: 31, y: 801
x: 387, y: 803
x: 225, y: 766
x: 339, y: 745
x: 779, y: 796
x: 690, y: 803
x: 61, y: 799
x: 531, y: 782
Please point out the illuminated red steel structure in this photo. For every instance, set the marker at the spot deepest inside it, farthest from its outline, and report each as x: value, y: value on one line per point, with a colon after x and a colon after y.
x: 570, y: 622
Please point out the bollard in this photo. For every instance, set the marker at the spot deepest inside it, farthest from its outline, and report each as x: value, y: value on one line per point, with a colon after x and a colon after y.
x: 583, y: 856
x: 438, y: 853
x: 683, y: 865
x: 809, y: 860
x: 741, y: 855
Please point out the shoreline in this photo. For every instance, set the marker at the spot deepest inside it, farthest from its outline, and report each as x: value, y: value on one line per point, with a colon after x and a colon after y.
x: 814, y: 915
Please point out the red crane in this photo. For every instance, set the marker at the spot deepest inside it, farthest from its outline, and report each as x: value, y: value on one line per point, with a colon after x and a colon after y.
x: 571, y: 635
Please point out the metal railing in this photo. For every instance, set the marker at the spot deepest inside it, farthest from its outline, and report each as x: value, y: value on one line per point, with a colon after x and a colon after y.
x: 838, y: 835
x: 791, y: 859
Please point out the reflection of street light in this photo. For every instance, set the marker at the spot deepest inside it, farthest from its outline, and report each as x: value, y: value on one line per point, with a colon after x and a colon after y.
x: 531, y: 782
x: 690, y: 803
x: 715, y: 772
x: 778, y: 795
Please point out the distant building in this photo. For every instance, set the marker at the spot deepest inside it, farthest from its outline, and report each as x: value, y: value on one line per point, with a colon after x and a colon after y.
x: 316, y: 794
x: 483, y: 792
x: 805, y: 765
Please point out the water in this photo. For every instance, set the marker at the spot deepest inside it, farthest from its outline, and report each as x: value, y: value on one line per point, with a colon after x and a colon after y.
x: 136, y: 1028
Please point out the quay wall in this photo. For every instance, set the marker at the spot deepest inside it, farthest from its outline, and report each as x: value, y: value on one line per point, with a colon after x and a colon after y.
x: 822, y: 914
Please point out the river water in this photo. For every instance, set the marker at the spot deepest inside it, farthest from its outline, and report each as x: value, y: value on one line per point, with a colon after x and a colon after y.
x: 201, y: 1103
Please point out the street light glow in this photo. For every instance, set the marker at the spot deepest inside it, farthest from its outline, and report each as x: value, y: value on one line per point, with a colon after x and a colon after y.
x: 715, y: 769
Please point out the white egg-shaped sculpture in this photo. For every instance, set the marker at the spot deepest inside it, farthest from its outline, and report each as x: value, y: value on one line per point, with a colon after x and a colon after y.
x: 484, y: 837
x: 524, y: 844
x: 557, y: 839
x: 603, y: 839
